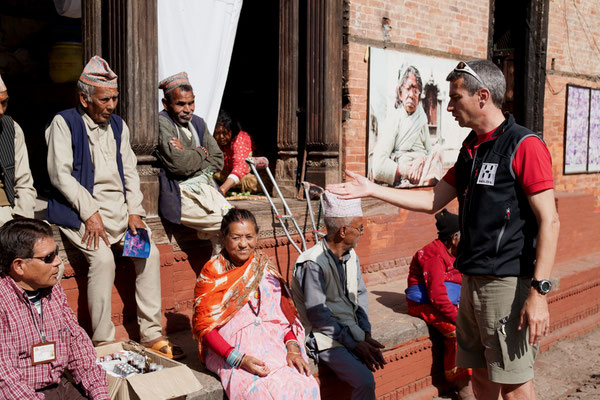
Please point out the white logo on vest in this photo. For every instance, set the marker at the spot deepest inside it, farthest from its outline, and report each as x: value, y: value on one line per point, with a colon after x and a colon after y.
x: 487, y: 174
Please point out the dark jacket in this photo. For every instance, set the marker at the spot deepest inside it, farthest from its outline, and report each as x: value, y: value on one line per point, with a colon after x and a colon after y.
x: 498, y: 227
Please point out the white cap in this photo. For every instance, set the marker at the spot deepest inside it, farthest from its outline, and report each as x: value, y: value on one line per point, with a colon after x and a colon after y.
x: 336, y: 207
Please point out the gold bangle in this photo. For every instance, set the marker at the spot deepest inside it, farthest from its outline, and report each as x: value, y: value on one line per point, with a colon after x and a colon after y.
x: 294, y: 352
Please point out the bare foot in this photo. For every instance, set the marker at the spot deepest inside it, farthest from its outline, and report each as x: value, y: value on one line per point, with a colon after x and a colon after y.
x: 465, y: 389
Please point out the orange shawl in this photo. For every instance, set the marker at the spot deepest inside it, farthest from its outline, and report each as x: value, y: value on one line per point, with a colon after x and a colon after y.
x: 223, y: 289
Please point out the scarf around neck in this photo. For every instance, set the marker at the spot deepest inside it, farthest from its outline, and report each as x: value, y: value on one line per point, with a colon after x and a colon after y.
x: 223, y: 289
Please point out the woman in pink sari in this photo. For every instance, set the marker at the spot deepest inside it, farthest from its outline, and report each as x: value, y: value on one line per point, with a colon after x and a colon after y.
x: 245, y: 322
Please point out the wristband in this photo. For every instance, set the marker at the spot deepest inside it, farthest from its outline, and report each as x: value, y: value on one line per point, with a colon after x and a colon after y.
x: 205, y: 150
x: 293, y: 343
x: 234, y: 358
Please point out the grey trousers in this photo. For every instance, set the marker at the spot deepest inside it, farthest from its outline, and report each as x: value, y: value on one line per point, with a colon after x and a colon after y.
x: 351, y: 370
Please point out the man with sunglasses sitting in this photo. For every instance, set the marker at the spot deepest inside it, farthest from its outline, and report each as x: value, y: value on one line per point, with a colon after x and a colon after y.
x: 39, y: 335
x: 509, y: 232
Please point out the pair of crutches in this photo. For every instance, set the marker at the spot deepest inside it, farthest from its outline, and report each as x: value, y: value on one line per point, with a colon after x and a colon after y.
x: 262, y: 163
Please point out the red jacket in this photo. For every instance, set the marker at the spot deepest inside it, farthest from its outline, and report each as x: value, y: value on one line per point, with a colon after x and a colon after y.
x: 432, y: 266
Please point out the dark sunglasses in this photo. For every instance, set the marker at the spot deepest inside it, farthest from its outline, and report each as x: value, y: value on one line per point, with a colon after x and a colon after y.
x: 48, y: 258
x: 464, y: 67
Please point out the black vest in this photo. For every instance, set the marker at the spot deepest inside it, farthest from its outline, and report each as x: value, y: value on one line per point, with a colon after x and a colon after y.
x: 498, y: 228
x: 7, y: 157
x: 60, y: 211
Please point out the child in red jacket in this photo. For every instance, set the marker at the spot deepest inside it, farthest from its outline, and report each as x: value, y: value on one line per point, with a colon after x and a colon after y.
x: 433, y: 292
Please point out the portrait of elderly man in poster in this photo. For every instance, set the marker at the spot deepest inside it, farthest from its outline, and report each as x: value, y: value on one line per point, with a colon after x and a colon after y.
x: 413, y: 140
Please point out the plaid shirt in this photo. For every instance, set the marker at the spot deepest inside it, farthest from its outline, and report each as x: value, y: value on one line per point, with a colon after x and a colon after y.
x: 74, y: 350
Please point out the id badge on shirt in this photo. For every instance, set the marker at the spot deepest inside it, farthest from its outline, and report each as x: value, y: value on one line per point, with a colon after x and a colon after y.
x: 42, y: 353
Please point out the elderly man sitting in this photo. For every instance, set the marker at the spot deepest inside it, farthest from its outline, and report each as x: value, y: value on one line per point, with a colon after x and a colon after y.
x: 98, y: 198
x: 190, y: 156
x: 17, y: 195
x: 39, y: 335
x: 332, y: 300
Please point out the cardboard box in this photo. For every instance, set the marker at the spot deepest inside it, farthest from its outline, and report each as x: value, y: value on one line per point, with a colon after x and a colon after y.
x: 174, y: 381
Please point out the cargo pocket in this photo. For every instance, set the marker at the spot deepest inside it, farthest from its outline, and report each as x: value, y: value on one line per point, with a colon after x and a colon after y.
x: 513, y: 343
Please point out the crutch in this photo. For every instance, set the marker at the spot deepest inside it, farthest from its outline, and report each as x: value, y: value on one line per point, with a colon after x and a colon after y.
x: 318, y: 191
x: 256, y: 163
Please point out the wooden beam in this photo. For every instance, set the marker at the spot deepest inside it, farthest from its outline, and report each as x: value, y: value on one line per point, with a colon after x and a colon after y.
x: 287, y: 110
x: 132, y: 36
x: 91, y: 29
x: 324, y: 90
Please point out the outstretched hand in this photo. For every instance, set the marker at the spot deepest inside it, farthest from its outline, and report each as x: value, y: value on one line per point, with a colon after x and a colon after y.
x: 357, y: 186
x: 254, y: 366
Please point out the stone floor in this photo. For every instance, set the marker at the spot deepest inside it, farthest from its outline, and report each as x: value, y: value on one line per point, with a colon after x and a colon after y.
x: 570, y: 370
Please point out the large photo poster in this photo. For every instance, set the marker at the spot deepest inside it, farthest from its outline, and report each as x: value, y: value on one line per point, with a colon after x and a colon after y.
x: 412, y: 140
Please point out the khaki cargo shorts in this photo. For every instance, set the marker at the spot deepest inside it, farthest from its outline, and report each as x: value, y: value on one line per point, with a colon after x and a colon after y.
x: 486, y: 328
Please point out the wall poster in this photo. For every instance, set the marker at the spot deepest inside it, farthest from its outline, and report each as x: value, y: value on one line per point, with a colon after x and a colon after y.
x: 582, y: 130
x: 412, y: 139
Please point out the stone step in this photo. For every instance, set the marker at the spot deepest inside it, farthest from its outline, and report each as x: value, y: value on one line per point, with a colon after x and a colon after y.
x: 413, y: 351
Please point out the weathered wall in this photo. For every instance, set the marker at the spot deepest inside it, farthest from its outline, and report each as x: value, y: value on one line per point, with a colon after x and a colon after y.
x: 574, y: 37
x: 573, y: 58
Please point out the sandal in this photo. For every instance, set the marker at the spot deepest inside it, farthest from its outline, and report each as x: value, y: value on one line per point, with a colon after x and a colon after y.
x: 172, y: 351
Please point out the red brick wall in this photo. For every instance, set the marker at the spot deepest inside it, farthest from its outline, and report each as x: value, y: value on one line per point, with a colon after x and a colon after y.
x: 429, y: 24
x: 574, y: 37
x: 573, y: 57
x: 579, y: 223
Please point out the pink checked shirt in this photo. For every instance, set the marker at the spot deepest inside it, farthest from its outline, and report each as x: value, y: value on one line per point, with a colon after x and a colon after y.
x: 74, y: 349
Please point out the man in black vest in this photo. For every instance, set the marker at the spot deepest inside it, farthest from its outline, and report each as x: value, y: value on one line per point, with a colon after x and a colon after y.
x: 98, y: 199
x: 17, y: 194
x: 509, y: 231
x: 190, y: 156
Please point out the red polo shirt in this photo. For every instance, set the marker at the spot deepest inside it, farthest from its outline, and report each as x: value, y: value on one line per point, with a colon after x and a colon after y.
x: 532, y: 164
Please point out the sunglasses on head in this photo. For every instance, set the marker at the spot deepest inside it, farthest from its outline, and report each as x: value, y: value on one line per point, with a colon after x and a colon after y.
x: 48, y: 258
x: 464, y: 67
